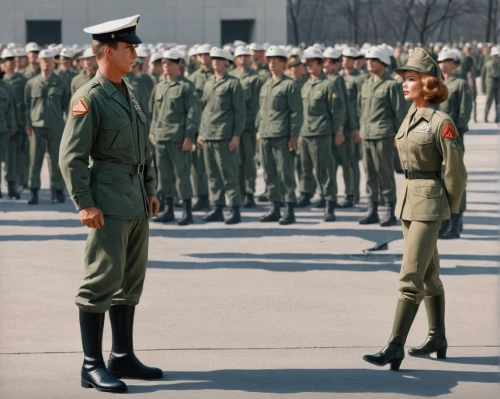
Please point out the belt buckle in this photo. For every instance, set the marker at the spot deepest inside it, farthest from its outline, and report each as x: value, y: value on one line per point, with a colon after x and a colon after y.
x: 140, y: 169
x: 408, y: 174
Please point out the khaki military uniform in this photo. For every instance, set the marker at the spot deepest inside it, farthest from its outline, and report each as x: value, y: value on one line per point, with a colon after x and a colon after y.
x: 382, y: 110
x: 30, y: 73
x: 198, y: 172
x: 264, y: 73
x: 67, y: 76
x: 279, y: 119
x: 46, y: 101
x: 222, y: 119
x: 79, y: 80
x: 251, y: 85
x: 324, y: 116
x: 111, y: 131
x: 176, y: 114
x: 426, y: 140
x: 8, y: 125
x: 490, y: 78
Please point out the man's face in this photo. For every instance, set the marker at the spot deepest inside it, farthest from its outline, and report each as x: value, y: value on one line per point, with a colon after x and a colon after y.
x: 314, y: 67
x: 220, y: 65
x: 47, y: 64
x: 258, y: 57
x: 243, y: 61
x: 329, y: 66
x: 359, y: 63
x: 90, y: 65
x: 171, y: 68
x: 21, y: 62
x: 496, y: 58
x: 447, y: 67
x: 32, y: 56
x: 8, y: 65
x: 348, y: 62
x: 123, y: 57
x: 297, y: 72
x: 65, y: 62
x: 158, y: 67
x: 276, y: 65
x: 374, y: 65
x: 204, y: 59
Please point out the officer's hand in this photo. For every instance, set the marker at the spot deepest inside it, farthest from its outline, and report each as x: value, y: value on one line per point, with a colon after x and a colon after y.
x: 339, y: 138
x: 356, y: 137
x: 293, y: 144
x: 152, y: 139
x: 257, y: 135
x: 200, y: 142
x: 187, y: 145
x: 92, y: 217
x: 29, y: 130
x: 154, y: 206
x: 234, y: 143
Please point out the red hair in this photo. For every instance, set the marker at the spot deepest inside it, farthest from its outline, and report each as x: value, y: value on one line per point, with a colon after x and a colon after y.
x: 434, y: 90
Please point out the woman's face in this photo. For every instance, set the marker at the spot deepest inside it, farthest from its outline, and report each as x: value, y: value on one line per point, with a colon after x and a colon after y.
x: 412, y: 86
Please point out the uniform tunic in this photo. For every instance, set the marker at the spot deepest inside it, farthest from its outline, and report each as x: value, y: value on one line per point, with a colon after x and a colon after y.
x: 8, y: 125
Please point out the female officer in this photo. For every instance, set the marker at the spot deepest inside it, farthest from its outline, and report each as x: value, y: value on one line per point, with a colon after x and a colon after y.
x: 426, y: 139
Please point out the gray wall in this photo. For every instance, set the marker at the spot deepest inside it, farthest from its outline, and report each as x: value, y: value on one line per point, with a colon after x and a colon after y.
x: 180, y: 21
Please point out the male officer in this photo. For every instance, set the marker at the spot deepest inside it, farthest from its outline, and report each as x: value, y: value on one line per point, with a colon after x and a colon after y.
x: 46, y: 100
x: 32, y: 69
x: 490, y: 78
x: 115, y: 198
x: 259, y: 63
x: 251, y: 84
x: 222, y: 124
x: 278, y: 122
x: 324, y: 121
x: 18, y: 153
x: 383, y: 110
x: 199, y: 174
x: 88, y: 71
x: 65, y: 68
x: 175, y: 119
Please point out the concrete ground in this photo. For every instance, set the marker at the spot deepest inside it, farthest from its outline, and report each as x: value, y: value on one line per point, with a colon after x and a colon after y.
x: 258, y: 310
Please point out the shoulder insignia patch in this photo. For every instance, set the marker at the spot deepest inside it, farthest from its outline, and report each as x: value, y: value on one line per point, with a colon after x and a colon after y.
x: 449, y: 132
x: 79, y: 107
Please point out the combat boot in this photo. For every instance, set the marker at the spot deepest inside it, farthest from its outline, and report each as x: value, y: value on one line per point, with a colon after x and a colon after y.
x: 348, y: 202
x: 372, y: 216
x: 94, y: 373
x: 390, y: 218
x: 273, y: 215
x: 445, y: 225
x: 330, y: 212
x: 34, y: 197
x: 304, y: 200
x: 356, y: 199
x: 320, y: 204
x: 161, y: 199
x: 168, y: 214
x: 201, y: 203
x: 393, y: 353
x: 234, y: 216
x: 187, y: 214
x: 453, y: 229
x: 13, y: 193
x: 263, y: 197
x: 60, y: 198
x: 249, y: 201
x: 122, y: 360
x: 289, y: 215
x: 436, y: 338
x: 215, y: 215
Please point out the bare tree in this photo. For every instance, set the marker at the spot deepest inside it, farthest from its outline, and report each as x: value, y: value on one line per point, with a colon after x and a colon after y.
x: 294, y: 8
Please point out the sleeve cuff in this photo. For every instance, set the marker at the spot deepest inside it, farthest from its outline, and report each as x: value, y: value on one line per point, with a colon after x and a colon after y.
x: 83, y: 200
x: 150, y: 189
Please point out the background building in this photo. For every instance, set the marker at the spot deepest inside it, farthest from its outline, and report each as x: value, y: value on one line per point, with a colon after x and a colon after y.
x: 180, y: 21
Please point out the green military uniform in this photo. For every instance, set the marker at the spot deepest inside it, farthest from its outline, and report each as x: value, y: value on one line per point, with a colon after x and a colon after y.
x: 176, y: 114
x: 490, y: 78
x: 279, y: 119
x: 155, y: 78
x: 67, y: 76
x: 222, y: 119
x: 251, y: 85
x: 19, y: 144
x: 79, y: 80
x: 46, y: 101
x: 8, y: 126
x: 324, y: 116
x: 382, y: 109
x: 199, y: 174
x: 110, y: 128
x: 31, y: 73
x: 142, y: 86
x: 264, y: 73
x: 467, y: 71
x: 403, y: 58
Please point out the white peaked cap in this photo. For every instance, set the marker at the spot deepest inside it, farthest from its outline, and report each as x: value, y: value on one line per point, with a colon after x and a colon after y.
x: 67, y: 52
x: 242, y: 50
x: 447, y: 55
x: 377, y: 52
x: 32, y: 47
x: 113, y: 26
x: 332, y: 53
x: 220, y: 53
x: 276, y: 51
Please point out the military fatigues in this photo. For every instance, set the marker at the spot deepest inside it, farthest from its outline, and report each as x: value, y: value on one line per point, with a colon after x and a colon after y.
x: 426, y: 140
x: 8, y: 125
x: 113, y: 133
x: 79, y: 80
x: 264, y: 73
x: 31, y: 73
x: 324, y: 116
x: 142, y: 86
x: 199, y: 174
x: 279, y: 119
x: 491, y: 87
x: 382, y: 109
x: 251, y: 85
x: 67, y: 76
x: 175, y: 116
x: 19, y: 159
x: 46, y: 101
x: 222, y: 119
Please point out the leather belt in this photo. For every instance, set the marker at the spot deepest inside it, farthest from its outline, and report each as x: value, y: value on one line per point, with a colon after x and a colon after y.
x: 414, y: 174
x: 138, y: 169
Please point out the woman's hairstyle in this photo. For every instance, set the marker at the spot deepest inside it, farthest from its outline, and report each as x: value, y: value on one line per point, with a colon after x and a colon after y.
x: 434, y: 90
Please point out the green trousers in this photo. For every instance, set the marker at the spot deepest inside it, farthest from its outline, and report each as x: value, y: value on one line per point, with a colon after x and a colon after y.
x: 316, y: 154
x: 378, y: 161
x: 419, y: 276
x: 8, y: 156
x: 222, y: 168
x: 248, y: 169
x: 342, y: 157
x: 492, y: 95
x: 116, y: 257
x: 354, y: 160
x: 42, y: 140
x: 307, y: 181
x: 174, y: 170
x: 198, y: 173
x: 278, y: 164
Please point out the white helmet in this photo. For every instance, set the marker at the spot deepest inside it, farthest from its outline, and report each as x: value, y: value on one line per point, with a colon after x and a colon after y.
x: 377, y: 52
x: 351, y: 52
x: 204, y: 49
x: 7, y: 53
x: 495, y: 51
x: 256, y: 47
x: 220, y: 53
x: 32, y: 47
x: 447, y: 55
x: 276, y: 51
x: 172, y: 55
x: 312, y: 52
x: 66, y: 53
x: 242, y: 50
x: 332, y: 53
x: 87, y: 53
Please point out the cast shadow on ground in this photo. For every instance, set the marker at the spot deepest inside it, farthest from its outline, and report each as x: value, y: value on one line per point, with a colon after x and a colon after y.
x: 427, y: 383
x: 483, y: 132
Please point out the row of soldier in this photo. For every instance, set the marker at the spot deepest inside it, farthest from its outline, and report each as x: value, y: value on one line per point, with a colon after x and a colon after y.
x: 310, y: 113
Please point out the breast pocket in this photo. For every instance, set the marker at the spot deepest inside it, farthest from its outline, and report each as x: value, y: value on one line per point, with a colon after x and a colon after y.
x: 117, y: 133
x: 176, y: 102
x: 279, y: 102
x: 317, y: 105
x: 222, y: 99
x: 427, y: 201
x: 421, y: 148
x: 54, y: 95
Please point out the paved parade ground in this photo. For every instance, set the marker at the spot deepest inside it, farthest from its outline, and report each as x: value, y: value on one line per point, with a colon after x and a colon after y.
x: 258, y: 310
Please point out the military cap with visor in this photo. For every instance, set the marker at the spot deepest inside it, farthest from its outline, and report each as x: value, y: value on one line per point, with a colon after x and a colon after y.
x: 420, y: 61
x: 119, y: 30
